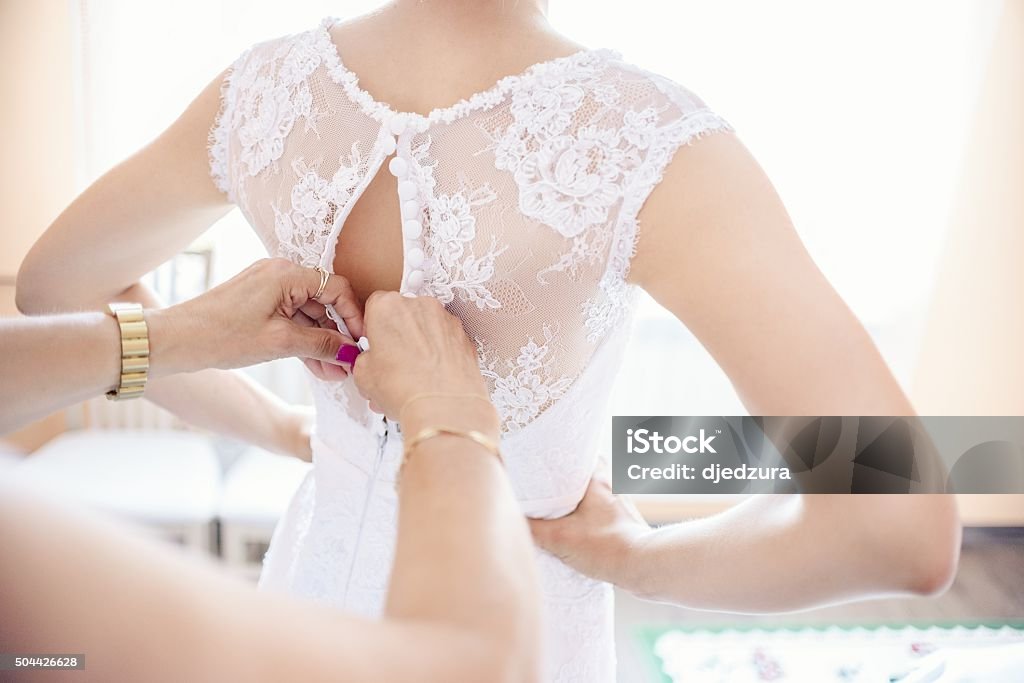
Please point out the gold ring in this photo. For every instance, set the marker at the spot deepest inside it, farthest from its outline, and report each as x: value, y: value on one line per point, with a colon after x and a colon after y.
x: 324, y: 276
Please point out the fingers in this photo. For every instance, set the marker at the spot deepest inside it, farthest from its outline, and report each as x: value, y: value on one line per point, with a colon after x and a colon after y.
x: 339, y: 294
x: 325, y: 371
x: 416, y: 345
x: 383, y: 304
x: 317, y: 312
x: 548, y: 534
x: 315, y: 342
x: 363, y: 375
x: 309, y: 316
x: 302, y: 284
x: 302, y: 318
x: 370, y: 310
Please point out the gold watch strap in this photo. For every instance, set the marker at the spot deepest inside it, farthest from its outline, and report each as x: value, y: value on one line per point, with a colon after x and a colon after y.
x: 134, y: 351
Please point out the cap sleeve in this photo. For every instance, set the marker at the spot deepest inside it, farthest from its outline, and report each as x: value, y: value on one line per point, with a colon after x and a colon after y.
x: 226, y: 119
x: 661, y: 116
x: 682, y: 118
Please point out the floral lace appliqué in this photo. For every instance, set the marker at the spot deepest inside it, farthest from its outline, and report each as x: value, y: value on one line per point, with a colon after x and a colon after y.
x: 274, y: 94
x: 659, y: 142
x: 529, y: 386
x: 458, y: 270
x: 571, y: 182
x: 572, y: 178
x: 302, y: 230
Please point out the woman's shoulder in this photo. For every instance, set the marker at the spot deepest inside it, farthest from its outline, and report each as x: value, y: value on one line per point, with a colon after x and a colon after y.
x: 295, y: 53
x: 639, y: 83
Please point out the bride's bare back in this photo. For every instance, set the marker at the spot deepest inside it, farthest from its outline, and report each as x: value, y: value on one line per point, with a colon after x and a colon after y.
x: 398, y: 65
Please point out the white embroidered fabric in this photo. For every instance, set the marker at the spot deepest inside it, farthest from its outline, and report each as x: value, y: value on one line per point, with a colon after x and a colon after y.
x: 519, y: 208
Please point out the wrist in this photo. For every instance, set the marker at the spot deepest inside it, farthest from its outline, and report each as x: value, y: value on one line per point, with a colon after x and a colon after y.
x: 107, y: 334
x: 619, y: 555
x: 295, y: 431
x: 173, y: 347
x: 457, y: 411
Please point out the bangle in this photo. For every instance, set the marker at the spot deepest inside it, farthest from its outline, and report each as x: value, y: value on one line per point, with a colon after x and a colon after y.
x: 430, y: 432
x: 440, y: 394
x: 471, y: 434
x: 134, y: 351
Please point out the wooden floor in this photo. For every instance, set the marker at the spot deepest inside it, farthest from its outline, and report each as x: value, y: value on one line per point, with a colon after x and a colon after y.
x: 989, y: 586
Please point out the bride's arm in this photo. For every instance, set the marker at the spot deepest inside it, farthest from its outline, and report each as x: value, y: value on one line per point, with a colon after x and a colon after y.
x: 717, y: 248
x: 133, y: 218
x: 128, y: 222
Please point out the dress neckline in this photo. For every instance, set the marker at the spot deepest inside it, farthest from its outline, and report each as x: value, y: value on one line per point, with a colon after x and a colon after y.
x: 482, y: 100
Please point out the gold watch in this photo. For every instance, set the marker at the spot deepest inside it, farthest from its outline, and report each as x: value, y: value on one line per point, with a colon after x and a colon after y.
x: 134, y: 351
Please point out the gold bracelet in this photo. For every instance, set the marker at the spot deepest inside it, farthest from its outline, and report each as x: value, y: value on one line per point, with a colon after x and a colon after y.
x: 134, y: 351
x: 431, y: 432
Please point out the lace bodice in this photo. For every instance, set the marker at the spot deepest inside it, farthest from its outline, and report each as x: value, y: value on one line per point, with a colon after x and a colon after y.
x: 519, y: 204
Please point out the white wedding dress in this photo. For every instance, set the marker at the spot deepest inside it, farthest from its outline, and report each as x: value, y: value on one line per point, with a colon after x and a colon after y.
x: 519, y: 209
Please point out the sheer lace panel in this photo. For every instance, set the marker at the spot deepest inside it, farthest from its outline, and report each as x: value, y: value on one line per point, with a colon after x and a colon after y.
x: 527, y: 193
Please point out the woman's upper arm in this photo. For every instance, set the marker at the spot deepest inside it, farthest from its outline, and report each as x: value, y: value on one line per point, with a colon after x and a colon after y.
x: 717, y: 248
x: 133, y: 218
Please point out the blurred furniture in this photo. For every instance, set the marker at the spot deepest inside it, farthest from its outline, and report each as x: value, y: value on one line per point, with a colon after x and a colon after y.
x: 257, y: 490
x: 167, y: 481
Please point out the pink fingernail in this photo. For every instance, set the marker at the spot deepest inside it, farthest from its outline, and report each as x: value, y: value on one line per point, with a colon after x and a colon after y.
x: 348, y: 353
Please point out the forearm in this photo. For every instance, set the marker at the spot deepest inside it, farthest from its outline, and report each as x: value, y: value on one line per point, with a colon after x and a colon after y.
x: 463, y: 555
x: 52, y: 362
x: 462, y: 604
x: 129, y: 221
x: 230, y: 403
x: 783, y: 553
x: 108, y: 597
x: 140, y: 611
x: 223, y: 401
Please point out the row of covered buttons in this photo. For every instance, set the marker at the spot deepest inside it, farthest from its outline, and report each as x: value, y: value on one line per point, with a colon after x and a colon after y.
x: 412, y: 229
